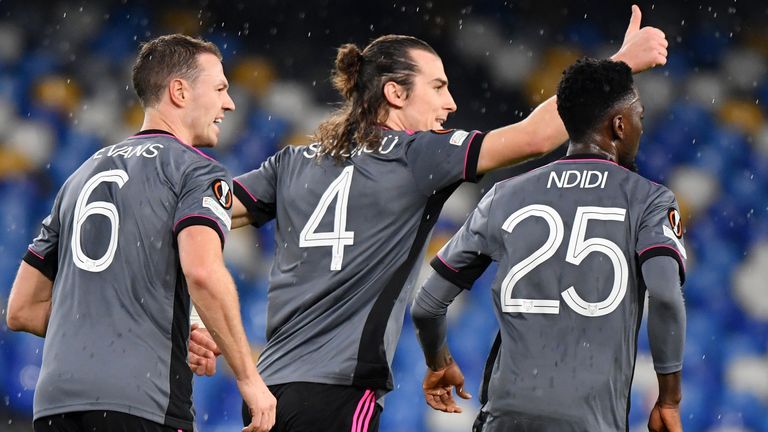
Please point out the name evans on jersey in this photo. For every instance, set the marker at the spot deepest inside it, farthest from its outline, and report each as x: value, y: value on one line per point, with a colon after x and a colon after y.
x: 146, y: 150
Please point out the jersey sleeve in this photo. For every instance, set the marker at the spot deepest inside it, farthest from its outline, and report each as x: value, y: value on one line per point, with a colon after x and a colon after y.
x: 205, y: 199
x: 466, y: 256
x: 661, y: 231
x: 438, y: 159
x: 257, y: 190
x: 43, y: 253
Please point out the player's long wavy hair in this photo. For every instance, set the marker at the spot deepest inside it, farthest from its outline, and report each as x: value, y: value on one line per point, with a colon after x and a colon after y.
x: 360, y: 78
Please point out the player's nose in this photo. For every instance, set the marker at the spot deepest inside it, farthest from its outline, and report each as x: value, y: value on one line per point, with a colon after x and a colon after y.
x: 450, y: 104
x: 229, y: 104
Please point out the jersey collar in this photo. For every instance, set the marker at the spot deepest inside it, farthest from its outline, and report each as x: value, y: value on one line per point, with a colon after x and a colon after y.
x: 579, y: 156
x: 154, y: 132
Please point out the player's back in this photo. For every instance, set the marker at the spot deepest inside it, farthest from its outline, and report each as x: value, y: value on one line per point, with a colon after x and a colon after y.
x: 567, y: 294
x: 117, y: 334
x: 349, y: 235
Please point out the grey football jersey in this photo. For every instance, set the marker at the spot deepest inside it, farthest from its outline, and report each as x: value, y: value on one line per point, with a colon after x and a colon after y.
x: 348, y: 238
x: 569, y: 238
x: 117, y: 335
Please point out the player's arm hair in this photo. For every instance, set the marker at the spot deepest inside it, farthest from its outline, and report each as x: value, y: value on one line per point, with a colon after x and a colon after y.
x: 428, y: 312
x: 214, y: 295
x: 29, y: 305
x: 666, y: 324
x: 240, y: 215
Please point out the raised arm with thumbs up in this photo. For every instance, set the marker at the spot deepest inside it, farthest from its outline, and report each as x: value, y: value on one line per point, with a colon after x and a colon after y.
x: 643, y: 48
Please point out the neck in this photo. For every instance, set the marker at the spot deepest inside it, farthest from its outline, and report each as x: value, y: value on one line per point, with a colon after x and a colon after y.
x: 156, y: 119
x: 593, y: 146
x: 394, y: 122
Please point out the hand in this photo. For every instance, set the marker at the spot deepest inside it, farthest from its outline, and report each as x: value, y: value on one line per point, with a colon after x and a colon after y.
x: 643, y: 48
x: 437, y: 388
x: 261, y: 403
x: 665, y: 418
x: 202, y: 351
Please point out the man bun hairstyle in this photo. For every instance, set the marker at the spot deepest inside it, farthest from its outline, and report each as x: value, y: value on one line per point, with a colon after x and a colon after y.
x: 588, y: 90
x: 345, y: 75
x: 165, y: 58
x: 360, y: 76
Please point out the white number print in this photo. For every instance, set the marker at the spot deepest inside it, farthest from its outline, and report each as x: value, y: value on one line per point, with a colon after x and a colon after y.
x: 509, y: 304
x: 84, y: 209
x: 339, y: 237
x: 579, y: 247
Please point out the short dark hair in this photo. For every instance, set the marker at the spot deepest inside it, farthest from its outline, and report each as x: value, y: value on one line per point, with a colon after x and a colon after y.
x: 360, y: 77
x: 164, y: 58
x: 588, y: 90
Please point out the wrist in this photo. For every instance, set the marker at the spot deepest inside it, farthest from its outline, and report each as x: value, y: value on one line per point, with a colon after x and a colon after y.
x: 619, y: 58
x: 441, y: 361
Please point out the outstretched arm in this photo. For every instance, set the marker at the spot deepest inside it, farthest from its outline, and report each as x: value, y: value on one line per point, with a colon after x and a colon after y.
x: 543, y: 131
x: 428, y: 312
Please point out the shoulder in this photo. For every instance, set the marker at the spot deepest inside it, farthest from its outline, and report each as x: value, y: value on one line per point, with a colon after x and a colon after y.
x: 655, y: 191
x: 455, y: 137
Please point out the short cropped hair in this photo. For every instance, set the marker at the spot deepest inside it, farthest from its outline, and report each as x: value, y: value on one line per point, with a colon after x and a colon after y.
x: 588, y: 90
x: 165, y: 58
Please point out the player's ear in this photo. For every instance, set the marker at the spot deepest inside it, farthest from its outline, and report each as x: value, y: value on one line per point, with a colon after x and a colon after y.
x: 395, y: 94
x: 178, y: 92
x: 617, y: 126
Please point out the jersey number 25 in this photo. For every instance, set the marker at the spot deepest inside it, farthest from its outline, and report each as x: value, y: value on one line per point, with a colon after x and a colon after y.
x: 578, y: 248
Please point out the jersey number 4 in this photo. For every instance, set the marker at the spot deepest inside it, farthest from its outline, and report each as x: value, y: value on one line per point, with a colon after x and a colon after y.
x: 85, y: 209
x: 339, y: 237
x: 578, y: 249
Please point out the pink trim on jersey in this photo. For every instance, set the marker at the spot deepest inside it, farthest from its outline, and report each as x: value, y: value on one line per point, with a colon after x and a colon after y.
x: 446, y: 264
x: 177, y: 139
x: 197, y: 215
x: 664, y: 246
x: 200, y: 153
x: 466, y: 155
x: 36, y: 254
x: 409, y: 131
x: 246, y: 190
x: 157, y: 134
x: 362, y: 418
x: 588, y: 160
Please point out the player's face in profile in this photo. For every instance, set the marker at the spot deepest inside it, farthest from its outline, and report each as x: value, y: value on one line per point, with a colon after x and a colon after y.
x: 429, y: 103
x: 633, y: 127
x: 209, y: 101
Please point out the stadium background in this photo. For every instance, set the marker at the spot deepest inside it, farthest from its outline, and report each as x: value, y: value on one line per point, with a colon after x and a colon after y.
x: 65, y: 92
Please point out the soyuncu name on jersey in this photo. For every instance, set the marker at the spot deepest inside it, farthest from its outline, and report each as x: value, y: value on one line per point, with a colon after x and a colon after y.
x: 581, y: 179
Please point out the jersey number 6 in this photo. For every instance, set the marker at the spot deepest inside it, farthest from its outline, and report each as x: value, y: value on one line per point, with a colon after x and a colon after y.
x: 84, y: 209
x: 578, y: 249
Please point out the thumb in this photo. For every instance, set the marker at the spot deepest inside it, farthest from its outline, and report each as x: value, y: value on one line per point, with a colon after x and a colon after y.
x: 463, y: 393
x: 634, y: 21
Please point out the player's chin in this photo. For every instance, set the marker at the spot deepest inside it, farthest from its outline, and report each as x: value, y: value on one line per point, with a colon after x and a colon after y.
x: 211, y: 140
